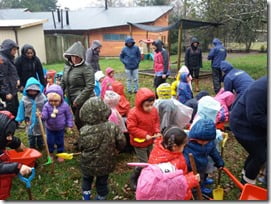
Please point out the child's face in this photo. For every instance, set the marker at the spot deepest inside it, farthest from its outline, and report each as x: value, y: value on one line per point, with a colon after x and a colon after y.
x: 32, y: 92
x: 147, y: 106
x: 111, y: 74
x: 50, y: 80
x: 101, y: 79
x: 9, y: 137
x: 188, y: 78
x: 55, y: 103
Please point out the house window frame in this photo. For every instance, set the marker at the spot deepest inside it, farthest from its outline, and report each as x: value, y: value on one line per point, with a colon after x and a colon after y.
x: 117, y: 37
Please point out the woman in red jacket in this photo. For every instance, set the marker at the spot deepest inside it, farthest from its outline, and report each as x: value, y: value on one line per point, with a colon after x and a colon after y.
x: 169, y: 148
x: 143, y: 125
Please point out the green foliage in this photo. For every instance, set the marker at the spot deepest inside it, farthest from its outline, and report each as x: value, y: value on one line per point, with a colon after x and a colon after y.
x: 32, y: 5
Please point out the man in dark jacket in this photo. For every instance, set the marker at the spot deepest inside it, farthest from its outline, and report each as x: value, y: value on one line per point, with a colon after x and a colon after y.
x: 248, y: 122
x: 92, y: 55
x: 9, y: 79
x: 29, y: 65
x: 217, y: 54
x: 193, y: 60
x: 130, y: 56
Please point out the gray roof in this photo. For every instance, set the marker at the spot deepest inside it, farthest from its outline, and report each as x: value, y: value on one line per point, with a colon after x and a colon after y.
x: 91, y: 18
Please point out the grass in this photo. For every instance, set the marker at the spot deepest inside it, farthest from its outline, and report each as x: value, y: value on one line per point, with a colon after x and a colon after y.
x: 65, y: 182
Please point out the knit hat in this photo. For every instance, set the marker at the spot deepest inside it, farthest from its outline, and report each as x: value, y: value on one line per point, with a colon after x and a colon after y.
x: 111, y: 98
x: 51, y: 73
x: 204, y: 129
x: 34, y: 87
x: 164, y: 91
x: 7, y: 126
x: 99, y: 75
x: 53, y: 96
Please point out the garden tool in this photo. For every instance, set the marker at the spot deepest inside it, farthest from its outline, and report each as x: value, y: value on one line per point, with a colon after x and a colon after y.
x: 218, y: 193
x: 27, y: 182
x: 49, y: 159
x: 67, y: 156
x: 194, y: 169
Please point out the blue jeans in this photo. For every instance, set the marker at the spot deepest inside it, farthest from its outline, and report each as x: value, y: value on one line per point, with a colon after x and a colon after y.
x: 55, y: 137
x: 132, y: 77
x: 101, y: 184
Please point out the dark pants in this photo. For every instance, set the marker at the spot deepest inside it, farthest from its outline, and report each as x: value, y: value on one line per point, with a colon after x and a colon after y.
x: 35, y: 140
x: 217, y: 78
x: 157, y: 81
x: 55, y: 137
x: 257, y: 155
x: 77, y: 120
x: 12, y: 105
x: 194, y: 72
x: 101, y: 184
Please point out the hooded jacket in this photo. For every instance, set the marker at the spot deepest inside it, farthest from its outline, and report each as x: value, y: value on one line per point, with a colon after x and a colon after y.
x: 64, y: 117
x: 92, y: 55
x: 124, y: 105
x: 8, y: 72
x: 130, y: 55
x: 141, y: 123
x: 248, y: 118
x: 27, y: 68
x: 193, y: 55
x: 161, y: 59
x: 107, y: 81
x: 217, y: 54
x: 78, y: 80
x: 203, y: 130
x: 28, y: 106
x: 184, y: 91
x: 99, y: 139
x: 235, y: 79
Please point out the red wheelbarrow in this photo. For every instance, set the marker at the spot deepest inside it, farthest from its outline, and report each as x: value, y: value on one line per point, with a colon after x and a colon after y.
x: 249, y: 191
x: 27, y: 157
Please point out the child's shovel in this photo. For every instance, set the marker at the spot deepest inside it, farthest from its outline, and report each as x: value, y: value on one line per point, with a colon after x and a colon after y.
x: 195, y: 171
x: 67, y: 156
x: 27, y: 182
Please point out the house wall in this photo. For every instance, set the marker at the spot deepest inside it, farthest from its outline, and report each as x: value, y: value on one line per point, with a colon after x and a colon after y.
x: 113, y: 48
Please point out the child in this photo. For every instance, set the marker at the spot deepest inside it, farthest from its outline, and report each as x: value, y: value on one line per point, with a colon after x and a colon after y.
x: 107, y: 81
x: 50, y: 78
x: 112, y: 99
x: 57, y: 115
x: 169, y: 148
x: 99, y: 76
x: 9, y: 169
x: 184, y: 90
x: 202, y: 144
x: 33, y: 99
x: 143, y: 125
x: 58, y: 77
x: 98, y: 142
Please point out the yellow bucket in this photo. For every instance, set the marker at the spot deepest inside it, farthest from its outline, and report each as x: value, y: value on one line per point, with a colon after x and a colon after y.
x: 218, y: 193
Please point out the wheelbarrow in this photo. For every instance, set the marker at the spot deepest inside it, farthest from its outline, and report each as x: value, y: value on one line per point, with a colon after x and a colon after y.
x: 27, y: 182
x: 249, y: 191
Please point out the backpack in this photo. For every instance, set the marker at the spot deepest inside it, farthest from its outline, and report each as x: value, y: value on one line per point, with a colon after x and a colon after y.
x: 161, y: 182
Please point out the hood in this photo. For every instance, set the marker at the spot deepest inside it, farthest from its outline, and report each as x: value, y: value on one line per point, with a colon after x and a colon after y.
x: 184, y: 77
x: 164, y: 91
x: 54, y: 88
x: 129, y: 39
x: 216, y: 41
x: 159, y: 45
x: 6, y: 47
x: 7, y: 125
x: 208, y: 108
x: 111, y: 98
x: 25, y: 48
x: 77, y: 49
x: 226, y: 97
x: 98, y: 75
x: 201, y: 94
x: 108, y: 70
x: 225, y: 66
x: 194, y: 40
x: 34, y: 83
x: 95, y: 44
x: 118, y: 87
x: 142, y: 95
x: 88, y: 112
x: 203, y: 129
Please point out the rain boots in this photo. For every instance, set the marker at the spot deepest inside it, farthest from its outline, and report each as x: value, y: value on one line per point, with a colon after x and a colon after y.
x: 197, y: 85
x: 134, y: 177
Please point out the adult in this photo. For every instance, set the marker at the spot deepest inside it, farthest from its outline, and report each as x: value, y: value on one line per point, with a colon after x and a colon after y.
x: 160, y: 64
x: 217, y: 54
x: 193, y: 60
x: 9, y: 79
x: 248, y: 122
x: 92, y: 55
x: 29, y: 65
x: 78, y: 79
x: 130, y: 56
x: 235, y: 80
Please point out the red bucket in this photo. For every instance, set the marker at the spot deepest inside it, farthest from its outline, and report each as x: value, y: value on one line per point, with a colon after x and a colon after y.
x: 27, y: 157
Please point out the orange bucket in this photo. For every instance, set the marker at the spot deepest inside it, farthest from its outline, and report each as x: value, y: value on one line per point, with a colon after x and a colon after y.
x: 27, y: 157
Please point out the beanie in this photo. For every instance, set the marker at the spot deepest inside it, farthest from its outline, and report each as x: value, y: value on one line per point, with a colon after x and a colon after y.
x: 51, y: 73
x: 99, y: 75
x: 7, y: 126
x: 111, y: 98
x: 164, y: 91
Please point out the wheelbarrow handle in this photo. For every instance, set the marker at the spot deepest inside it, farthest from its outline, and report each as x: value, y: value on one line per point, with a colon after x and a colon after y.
x: 28, y: 180
x: 233, y: 178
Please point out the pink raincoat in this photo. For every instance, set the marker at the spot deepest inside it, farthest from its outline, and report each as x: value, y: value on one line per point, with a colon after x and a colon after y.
x: 107, y: 81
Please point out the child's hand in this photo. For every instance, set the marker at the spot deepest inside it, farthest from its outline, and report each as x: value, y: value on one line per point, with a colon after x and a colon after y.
x: 148, y: 137
x: 38, y: 114
x: 21, y: 148
x: 157, y: 135
x: 24, y: 170
x: 197, y: 177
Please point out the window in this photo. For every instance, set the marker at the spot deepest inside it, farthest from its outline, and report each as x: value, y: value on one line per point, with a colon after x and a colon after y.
x: 114, y: 37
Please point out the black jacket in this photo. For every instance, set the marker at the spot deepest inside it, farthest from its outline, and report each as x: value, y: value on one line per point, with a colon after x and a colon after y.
x: 193, y: 56
x: 27, y: 68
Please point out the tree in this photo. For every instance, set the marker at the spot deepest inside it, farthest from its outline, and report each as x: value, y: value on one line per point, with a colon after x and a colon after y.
x: 32, y: 5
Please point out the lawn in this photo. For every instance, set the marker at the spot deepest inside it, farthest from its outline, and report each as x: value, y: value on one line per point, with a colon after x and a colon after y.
x: 62, y: 181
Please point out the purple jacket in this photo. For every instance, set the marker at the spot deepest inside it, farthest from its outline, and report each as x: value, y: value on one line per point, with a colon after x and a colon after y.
x: 64, y: 117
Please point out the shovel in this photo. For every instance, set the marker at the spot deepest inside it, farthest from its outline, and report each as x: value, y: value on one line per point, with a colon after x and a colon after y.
x: 194, y: 169
x: 218, y: 193
x: 49, y: 160
x: 67, y: 156
x: 27, y: 182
